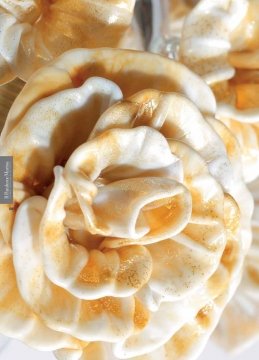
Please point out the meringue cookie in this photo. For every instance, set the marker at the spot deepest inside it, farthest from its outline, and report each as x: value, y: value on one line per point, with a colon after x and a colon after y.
x: 130, y: 208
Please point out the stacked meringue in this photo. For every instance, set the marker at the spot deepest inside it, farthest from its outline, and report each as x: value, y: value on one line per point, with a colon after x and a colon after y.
x: 209, y: 44
x: 129, y: 229
x: 219, y: 41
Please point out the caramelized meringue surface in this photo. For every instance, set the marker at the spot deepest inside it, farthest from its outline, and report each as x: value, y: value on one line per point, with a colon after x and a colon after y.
x: 219, y: 42
x: 129, y: 207
x: 33, y: 32
x: 238, y: 106
x: 243, y: 308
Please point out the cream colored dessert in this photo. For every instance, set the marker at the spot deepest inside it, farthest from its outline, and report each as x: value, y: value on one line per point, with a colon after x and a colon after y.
x: 236, y: 91
x: 33, y: 32
x: 239, y: 101
x: 239, y: 326
x: 216, y: 36
x: 130, y: 221
x: 205, y: 38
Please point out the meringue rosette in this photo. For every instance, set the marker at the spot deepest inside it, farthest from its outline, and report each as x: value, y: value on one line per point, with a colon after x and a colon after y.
x: 128, y: 230
x: 33, y: 32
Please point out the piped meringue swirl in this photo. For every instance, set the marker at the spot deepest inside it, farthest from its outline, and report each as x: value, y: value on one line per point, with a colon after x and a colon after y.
x: 128, y: 205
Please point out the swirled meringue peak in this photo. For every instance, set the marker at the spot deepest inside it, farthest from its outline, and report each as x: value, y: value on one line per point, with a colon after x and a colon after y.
x: 33, y: 32
x: 133, y: 216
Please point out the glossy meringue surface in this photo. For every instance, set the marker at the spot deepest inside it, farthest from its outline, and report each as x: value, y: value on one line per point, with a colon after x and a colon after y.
x: 236, y: 92
x: 33, y: 32
x: 212, y: 45
x: 129, y: 204
x: 244, y: 306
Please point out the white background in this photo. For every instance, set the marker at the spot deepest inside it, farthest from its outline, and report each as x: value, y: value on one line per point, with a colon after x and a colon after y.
x: 15, y: 350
